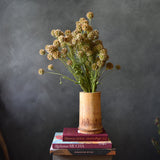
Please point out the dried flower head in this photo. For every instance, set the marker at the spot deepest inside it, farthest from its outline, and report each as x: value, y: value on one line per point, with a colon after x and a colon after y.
x: 56, y: 54
x: 89, y: 53
x: 50, y: 67
x: 100, y: 64
x: 42, y: 52
x: 118, y: 67
x: 56, y: 43
x: 50, y: 57
x: 94, y: 66
x: 103, y: 56
x: 89, y: 15
x: 69, y: 62
x: 50, y: 48
x: 67, y: 32
x: 85, y: 27
x: 109, y: 66
x: 58, y: 32
x: 61, y: 38
x: 41, y: 71
x: 52, y: 32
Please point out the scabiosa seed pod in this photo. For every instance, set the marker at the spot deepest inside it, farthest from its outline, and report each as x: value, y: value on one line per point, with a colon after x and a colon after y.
x: 61, y: 38
x: 85, y: 26
x: 80, y: 54
x: 50, y: 48
x: 50, y: 57
x: 100, y: 64
x: 89, y: 53
x: 79, y: 37
x: 50, y: 67
x: 99, y: 47
x: 89, y: 15
x: 56, y: 54
x: 109, y: 66
x: 52, y: 32
x: 96, y: 34
x: 67, y: 32
x: 42, y: 52
x: 82, y: 19
x: 56, y: 43
x: 64, y: 50
x: 90, y: 36
x: 102, y: 57
x: 85, y: 48
x: 63, y: 44
x: 118, y: 67
x: 103, y: 51
x: 58, y: 32
x: 69, y: 62
x: 41, y: 71
x: 94, y: 66
x: 74, y: 41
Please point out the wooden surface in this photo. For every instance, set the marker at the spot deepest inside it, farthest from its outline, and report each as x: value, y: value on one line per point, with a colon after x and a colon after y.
x: 4, y: 147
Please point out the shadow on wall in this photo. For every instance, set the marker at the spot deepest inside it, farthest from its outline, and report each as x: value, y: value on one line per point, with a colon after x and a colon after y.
x: 3, y: 148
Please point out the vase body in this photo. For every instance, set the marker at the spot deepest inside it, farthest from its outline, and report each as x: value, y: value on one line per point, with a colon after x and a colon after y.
x: 90, y: 119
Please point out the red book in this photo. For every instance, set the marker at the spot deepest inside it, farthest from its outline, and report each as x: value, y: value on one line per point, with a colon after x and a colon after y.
x: 71, y: 134
x: 58, y: 143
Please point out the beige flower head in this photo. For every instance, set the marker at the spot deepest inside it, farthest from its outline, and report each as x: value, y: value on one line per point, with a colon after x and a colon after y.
x: 82, y: 19
x: 42, y: 52
x: 63, y: 44
x: 69, y: 62
x: 103, y: 51
x: 41, y: 71
x: 90, y: 36
x: 58, y: 32
x: 118, y: 67
x: 89, y: 15
x: 56, y: 54
x: 61, y: 38
x: 50, y: 48
x: 94, y: 66
x: 100, y: 64
x: 64, y: 50
x: 74, y: 41
x: 103, y: 56
x: 67, y: 32
x: 52, y: 32
x: 50, y: 57
x: 56, y: 43
x: 109, y: 66
x: 89, y: 53
x: 85, y: 27
x: 50, y: 67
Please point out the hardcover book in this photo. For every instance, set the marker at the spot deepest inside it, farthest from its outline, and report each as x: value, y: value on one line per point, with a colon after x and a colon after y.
x: 71, y: 134
x: 79, y: 152
x: 58, y: 143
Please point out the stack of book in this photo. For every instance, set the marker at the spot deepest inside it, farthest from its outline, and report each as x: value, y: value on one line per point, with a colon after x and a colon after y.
x: 70, y: 142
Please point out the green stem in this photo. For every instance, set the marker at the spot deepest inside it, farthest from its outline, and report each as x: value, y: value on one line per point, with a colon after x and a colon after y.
x: 63, y: 76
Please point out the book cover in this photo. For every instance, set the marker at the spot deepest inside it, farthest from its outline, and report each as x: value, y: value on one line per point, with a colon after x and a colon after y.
x: 58, y: 143
x: 79, y: 152
x: 71, y: 134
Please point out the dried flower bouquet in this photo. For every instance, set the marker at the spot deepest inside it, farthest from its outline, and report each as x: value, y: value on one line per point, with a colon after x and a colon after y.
x: 81, y: 52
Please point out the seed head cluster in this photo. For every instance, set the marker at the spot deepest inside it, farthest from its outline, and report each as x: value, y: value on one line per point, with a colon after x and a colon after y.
x: 81, y: 52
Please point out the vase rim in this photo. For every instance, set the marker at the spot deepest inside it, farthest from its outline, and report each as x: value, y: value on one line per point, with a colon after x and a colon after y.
x: 90, y: 92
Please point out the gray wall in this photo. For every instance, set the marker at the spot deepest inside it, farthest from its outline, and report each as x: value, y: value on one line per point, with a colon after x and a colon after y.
x: 33, y: 107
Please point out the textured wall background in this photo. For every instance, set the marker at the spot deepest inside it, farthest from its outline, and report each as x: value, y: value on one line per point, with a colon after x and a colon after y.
x: 33, y: 107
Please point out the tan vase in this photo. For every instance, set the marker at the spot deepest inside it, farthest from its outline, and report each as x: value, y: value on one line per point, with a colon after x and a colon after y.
x: 90, y: 120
